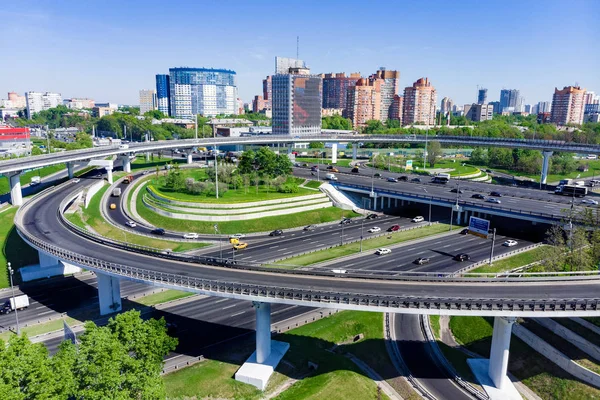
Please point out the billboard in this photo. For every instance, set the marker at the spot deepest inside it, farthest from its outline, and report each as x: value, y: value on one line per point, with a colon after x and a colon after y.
x: 479, y: 226
x: 409, y: 164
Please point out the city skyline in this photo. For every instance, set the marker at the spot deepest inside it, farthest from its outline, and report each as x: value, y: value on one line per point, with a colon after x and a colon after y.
x: 49, y: 57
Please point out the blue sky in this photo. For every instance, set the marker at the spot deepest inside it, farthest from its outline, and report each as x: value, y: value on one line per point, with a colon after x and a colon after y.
x: 108, y: 50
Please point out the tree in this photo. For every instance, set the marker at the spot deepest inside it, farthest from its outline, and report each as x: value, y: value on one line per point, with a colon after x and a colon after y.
x: 246, y: 164
x: 373, y: 126
x: 175, y: 180
x: 336, y: 122
x: 478, y: 156
x: 434, y: 151
x: 316, y: 145
x: 36, y: 151
x: 392, y: 123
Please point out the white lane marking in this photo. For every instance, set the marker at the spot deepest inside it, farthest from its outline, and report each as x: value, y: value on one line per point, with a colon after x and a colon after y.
x: 46, y: 312
x: 240, y: 313
x: 273, y: 247
x: 222, y: 300
x: 289, y: 252
x: 225, y: 308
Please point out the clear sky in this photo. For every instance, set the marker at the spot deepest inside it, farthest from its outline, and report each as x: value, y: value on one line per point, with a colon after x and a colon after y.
x: 108, y: 50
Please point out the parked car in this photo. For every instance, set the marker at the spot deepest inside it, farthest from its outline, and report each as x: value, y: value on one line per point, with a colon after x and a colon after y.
x: 390, y: 179
x: 418, y: 219
x: 403, y: 178
x: 462, y: 257
x: 589, y: 201
x: 464, y: 231
x: 190, y: 235
x: 158, y: 231
x: 310, y: 227
x: 383, y: 251
x: 422, y: 260
x: 131, y: 224
x: 415, y: 180
x: 375, y: 229
x: 510, y: 243
x: 478, y: 196
x: 455, y: 190
x: 496, y: 194
x: 493, y: 200
x: 276, y: 232
x: 237, y: 236
x: 394, y: 228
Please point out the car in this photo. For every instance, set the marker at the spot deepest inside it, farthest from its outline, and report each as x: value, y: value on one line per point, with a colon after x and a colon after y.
x: 510, y: 243
x: 478, y: 196
x: 334, y: 169
x: 276, y: 232
x: 330, y: 167
x: 145, y: 172
x: 158, y: 231
x: 240, y: 246
x: 390, y: 179
x: 355, y: 170
x: 418, y: 219
x: 345, y: 221
x: 383, y: 251
x: 464, y: 231
x: 131, y: 224
x: 462, y: 257
x: 375, y: 229
x: 589, y: 201
x: 305, y: 165
x: 237, y: 236
x: 310, y: 227
x: 403, y: 178
x: 493, y: 200
x: 455, y: 190
x: 489, y: 171
x: 76, y: 180
x: 422, y: 260
x: 372, y: 216
x: 190, y: 235
x: 113, y: 206
x: 496, y: 194
x: 377, y: 175
x: 394, y: 228
x: 415, y: 180
x: 314, y: 169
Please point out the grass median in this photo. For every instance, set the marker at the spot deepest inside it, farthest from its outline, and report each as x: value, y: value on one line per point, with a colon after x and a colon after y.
x: 367, y: 245
x: 162, y: 297
x: 512, y: 262
x: 14, y: 249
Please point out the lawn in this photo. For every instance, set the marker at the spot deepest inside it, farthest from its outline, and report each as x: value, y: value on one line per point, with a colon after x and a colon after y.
x: 25, y: 178
x: 313, y: 184
x: 434, y: 321
x: 458, y: 169
x: 141, y: 163
x: 368, y: 244
x: 509, y: 263
x: 341, y: 162
x: 594, y: 170
x: 162, y: 297
x: 42, y: 328
x: 14, y: 249
x: 533, y: 369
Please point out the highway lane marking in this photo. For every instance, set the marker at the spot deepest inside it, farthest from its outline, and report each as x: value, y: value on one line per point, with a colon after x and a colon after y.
x: 273, y: 247
x: 289, y: 252
x: 46, y: 312
x: 240, y: 313
x: 222, y: 300
x: 231, y: 306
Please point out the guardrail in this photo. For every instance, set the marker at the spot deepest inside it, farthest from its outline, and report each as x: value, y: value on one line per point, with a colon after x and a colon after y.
x: 496, y: 258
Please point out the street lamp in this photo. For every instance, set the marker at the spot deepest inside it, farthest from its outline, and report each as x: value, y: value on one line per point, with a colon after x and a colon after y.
x: 11, y: 272
x: 425, y: 189
x: 220, y: 241
x: 492, y: 249
x: 456, y: 205
x: 342, y: 235
x: 216, y: 173
x: 362, y: 226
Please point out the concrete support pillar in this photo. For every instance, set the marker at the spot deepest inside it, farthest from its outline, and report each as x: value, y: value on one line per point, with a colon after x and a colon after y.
x: 458, y: 215
x: 382, y: 198
x: 334, y: 147
x: 396, y: 202
x: 47, y: 260
x: 126, y: 163
x: 546, y: 155
x: 263, y: 331
x: 148, y: 156
x: 109, y: 293
x: 354, y: 151
x: 402, y: 202
x: 70, y: 170
x: 16, y: 196
x: 190, y: 158
x: 389, y: 202
x: 500, y: 351
x: 109, y: 176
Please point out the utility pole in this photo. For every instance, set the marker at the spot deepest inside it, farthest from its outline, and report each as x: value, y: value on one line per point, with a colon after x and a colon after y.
x: 493, y: 243
x: 196, y: 125
x: 216, y: 174
x: 342, y: 235
x: 425, y: 152
x: 11, y: 272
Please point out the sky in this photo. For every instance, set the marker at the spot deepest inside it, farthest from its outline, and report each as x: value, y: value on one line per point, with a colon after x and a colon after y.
x: 109, y: 50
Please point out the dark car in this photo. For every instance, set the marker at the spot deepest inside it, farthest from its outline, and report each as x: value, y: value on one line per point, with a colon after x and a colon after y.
x: 313, y: 168
x: 309, y: 228
x: 355, y: 170
x: 496, y: 194
x: 372, y: 216
x: 377, y: 175
x: 403, y: 178
x: 276, y: 232
x: 478, y: 196
x: 330, y: 167
x: 415, y: 180
x: 390, y: 179
x: 345, y: 221
x: 394, y: 228
x: 462, y: 257
x: 464, y: 231
x: 158, y: 231
x: 422, y: 260
x: 489, y: 171
x: 455, y: 190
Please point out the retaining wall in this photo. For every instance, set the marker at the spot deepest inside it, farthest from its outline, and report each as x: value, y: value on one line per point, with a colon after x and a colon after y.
x: 92, y: 190
x: 567, y: 334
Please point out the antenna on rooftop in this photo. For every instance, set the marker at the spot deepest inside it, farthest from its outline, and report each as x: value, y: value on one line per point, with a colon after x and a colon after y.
x: 297, y: 47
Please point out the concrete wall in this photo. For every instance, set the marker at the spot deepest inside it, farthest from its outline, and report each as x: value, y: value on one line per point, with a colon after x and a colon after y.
x: 567, y: 334
x: 92, y: 190
x: 556, y: 356
x: 338, y: 198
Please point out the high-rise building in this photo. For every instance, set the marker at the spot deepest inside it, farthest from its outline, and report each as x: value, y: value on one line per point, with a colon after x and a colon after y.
x: 568, y: 105
x: 389, y: 83
x: 283, y: 64
x: 509, y: 98
x: 37, y: 102
x: 590, y: 98
x: 148, y: 101
x: 482, y: 96
x: 419, y: 103
x: 297, y: 100
x: 528, y: 108
x: 364, y: 100
x: 259, y: 104
x: 267, y: 88
x: 396, y: 109
x: 446, y: 105
x: 205, y: 91
x: 335, y: 89
x: 496, y: 106
x: 14, y: 101
x: 479, y: 112
x: 163, y: 89
x: 544, y: 107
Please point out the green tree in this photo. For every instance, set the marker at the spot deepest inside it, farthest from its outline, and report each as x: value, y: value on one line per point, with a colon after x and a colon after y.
x: 316, y: 145
x: 154, y: 114
x: 246, y: 163
x: 175, y: 179
x: 434, y: 151
x: 392, y: 123
x: 336, y: 122
x: 478, y: 156
x: 373, y: 126
x: 36, y: 151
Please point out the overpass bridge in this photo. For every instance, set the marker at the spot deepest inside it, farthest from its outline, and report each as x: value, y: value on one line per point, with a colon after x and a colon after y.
x: 13, y: 168
x: 40, y: 222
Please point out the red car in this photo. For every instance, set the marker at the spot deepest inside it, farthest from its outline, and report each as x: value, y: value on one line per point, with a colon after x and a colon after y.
x: 394, y: 228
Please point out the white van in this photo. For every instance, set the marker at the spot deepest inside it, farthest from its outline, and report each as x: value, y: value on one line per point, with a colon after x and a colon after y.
x: 331, y: 177
x: 123, y: 146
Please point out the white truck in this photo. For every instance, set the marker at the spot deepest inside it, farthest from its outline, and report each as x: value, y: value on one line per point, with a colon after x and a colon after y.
x: 116, y: 192
x: 15, y: 303
x: 35, y: 180
x: 331, y: 177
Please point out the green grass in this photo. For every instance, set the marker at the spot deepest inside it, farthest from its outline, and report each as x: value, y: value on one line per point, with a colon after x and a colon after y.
x: 533, y: 369
x: 579, y: 329
x: 25, y: 178
x: 42, y: 328
x: 518, y: 260
x: 14, y: 249
x: 368, y: 244
x: 552, y: 178
x: 457, y: 168
x: 458, y: 359
x: 313, y: 184
x: 140, y: 162
x: 341, y: 162
x: 162, y: 297
x: 434, y: 321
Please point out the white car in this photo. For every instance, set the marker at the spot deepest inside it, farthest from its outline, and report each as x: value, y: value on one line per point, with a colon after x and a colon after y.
x: 375, y: 229
x: 77, y: 180
x: 418, y: 219
x: 237, y: 236
x: 493, y: 200
x: 510, y: 243
x: 383, y: 251
x: 190, y: 236
x: 131, y: 224
x: 589, y: 201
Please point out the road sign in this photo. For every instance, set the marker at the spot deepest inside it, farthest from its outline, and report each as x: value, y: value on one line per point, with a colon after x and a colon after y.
x: 479, y: 227
x: 69, y: 334
x: 409, y: 164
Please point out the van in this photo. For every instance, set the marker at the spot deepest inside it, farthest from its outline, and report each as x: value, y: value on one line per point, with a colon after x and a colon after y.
x: 579, y: 183
x: 123, y: 147
x: 331, y: 177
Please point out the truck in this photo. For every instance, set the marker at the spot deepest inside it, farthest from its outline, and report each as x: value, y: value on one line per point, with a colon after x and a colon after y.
x: 15, y: 303
x: 441, y: 178
x: 563, y: 182
x: 331, y: 177
x: 116, y: 192
x: 35, y: 180
x: 237, y: 244
x: 128, y: 179
x: 571, y: 190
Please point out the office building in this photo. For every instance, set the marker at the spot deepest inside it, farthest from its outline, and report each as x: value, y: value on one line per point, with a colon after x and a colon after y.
x: 163, y: 91
x: 283, y: 65
x: 419, y: 103
x: 389, y: 83
x: 297, y: 99
x: 37, y: 101
x: 591, y: 98
x: 364, y: 100
x: 335, y: 89
x: 446, y: 105
x: 79, y: 104
x: 99, y: 111
x: 268, y: 89
x: 528, y: 109
x: 148, y: 101
x: 479, y: 112
x: 203, y: 91
x: 14, y: 101
x: 482, y: 96
x: 14, y: 141
x: 544, y: 107
x: 568, y: 105
x: 496, y: 106
x: 396, y: 109
x: 509, y: 100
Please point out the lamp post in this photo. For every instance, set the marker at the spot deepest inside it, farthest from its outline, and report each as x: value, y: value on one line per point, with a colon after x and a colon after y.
x: 220, y: 241
x: 456, y: 205
x: 216, y: 173
x: 342, y: 235
x: 492, y: 249
x: 425, y: 189
x: 362, y: 226
x: 196, y: 125
x: 11, y: 272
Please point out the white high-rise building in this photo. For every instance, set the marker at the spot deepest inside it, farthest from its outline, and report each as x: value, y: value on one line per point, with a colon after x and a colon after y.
x: 544, y: 107
x: 37, y: 101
